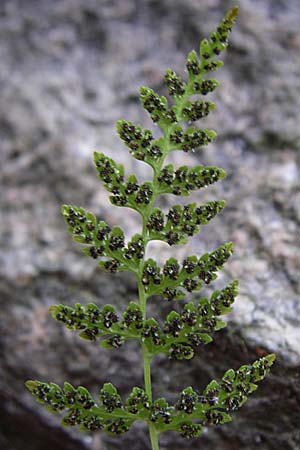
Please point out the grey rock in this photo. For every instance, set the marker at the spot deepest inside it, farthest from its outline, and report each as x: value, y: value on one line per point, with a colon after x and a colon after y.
x: 69, y: 69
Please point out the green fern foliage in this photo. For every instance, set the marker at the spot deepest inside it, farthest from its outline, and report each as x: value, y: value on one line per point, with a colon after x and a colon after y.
x: 187, y: 416
x: 185, y: 329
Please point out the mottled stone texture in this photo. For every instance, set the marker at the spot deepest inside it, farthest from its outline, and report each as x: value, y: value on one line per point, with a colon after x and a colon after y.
x: 69, y: 69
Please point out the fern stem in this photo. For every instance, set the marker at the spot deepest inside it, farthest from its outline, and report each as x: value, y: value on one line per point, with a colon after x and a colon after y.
x: 148, y: 389
x: 142, y: 295
x: 146, y: 356
x: 147, y: 372
x: 153, y: 437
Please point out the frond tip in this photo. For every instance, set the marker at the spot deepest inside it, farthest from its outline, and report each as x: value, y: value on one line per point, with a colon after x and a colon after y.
x: 233, y: 13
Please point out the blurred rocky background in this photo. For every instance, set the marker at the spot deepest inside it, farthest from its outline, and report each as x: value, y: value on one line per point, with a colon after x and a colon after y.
x: 69, y: 69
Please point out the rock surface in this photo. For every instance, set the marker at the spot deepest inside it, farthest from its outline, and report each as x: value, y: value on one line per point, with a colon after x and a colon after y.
x: 69, y: 69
